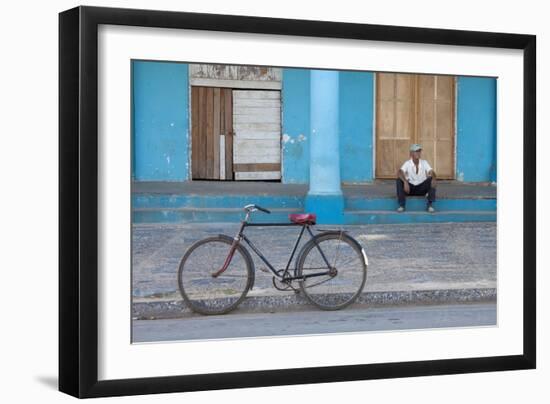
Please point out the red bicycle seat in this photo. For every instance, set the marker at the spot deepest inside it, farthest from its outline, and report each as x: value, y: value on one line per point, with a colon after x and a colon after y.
x: 303, y: 218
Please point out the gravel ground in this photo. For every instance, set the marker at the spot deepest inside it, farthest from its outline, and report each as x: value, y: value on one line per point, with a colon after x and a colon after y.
x: 401, y: 257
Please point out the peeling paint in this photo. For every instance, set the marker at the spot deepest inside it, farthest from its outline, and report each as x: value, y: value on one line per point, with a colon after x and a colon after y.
x: 286, y: 138
x: 301, y: 137
x: 233, y: 72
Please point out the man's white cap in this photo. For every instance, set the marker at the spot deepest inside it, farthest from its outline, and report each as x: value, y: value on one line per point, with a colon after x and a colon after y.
x: 415, y: 147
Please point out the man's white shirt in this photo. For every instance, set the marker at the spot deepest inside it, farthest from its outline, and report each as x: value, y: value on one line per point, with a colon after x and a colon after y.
x: 409, y: 169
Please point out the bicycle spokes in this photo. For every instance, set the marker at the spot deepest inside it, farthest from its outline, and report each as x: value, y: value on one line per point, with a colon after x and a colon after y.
x: 208, y: 294
x: 343, y: 282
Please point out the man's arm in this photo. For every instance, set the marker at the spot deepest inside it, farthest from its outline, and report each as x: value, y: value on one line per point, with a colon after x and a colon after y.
x: 431, y: 173
x: 402, y: 177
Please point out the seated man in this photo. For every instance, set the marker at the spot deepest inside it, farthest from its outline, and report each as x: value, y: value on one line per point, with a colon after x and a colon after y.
x: 416, y: 177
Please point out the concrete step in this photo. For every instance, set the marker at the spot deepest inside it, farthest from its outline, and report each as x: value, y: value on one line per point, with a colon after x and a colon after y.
x: 419, y: 204
x: 223, y: 201
x: 393, y: 217
x: 216, y: 201
x: 148, y: 207
x: 214, y: 215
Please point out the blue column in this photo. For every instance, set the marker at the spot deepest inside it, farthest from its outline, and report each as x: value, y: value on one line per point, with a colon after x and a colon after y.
x: 325, y: 196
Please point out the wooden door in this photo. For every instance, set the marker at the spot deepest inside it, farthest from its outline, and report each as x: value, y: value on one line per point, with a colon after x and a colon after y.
x: 436, y: 130
x: 395, y: 121
x: 414, y: 109
x: 211, y: 133
x: 257, y: 140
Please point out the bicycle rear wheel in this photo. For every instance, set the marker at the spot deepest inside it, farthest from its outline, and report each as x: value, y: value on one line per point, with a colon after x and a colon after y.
x: 340, y: 289
x: 205, y: 293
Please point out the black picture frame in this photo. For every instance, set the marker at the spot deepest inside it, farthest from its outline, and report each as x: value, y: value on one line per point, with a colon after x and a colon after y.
x: 78, y: 201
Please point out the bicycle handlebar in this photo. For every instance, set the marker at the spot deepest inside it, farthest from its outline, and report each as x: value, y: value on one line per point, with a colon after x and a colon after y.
x: 262, y: 209
x: 253, y: 207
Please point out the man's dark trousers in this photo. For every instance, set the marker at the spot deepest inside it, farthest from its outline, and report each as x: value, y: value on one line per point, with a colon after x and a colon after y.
x: 415, y: 190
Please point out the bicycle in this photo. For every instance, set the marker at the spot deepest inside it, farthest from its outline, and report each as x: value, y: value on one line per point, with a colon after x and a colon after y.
x: 216, y: 273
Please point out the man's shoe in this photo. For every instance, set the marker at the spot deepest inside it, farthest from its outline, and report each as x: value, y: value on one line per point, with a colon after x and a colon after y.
x: 401, y: 209
x: 431, y: 209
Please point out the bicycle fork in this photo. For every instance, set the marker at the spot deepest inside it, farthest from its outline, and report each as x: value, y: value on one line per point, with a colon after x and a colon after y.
x: 228, y: 258
x: 236, y: 241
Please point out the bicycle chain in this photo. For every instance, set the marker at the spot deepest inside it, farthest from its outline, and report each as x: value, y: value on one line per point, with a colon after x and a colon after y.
x: 320, y: 282
x: 288, y: 284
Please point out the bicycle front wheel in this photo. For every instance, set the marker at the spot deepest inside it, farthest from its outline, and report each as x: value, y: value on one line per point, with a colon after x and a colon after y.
x: 206, y: 293
x: 340, y: 287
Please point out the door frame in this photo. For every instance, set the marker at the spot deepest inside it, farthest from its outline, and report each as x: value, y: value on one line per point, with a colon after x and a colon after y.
x: 374, y: 127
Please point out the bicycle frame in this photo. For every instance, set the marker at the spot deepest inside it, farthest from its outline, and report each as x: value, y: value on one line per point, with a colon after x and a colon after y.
x: 284, y: 276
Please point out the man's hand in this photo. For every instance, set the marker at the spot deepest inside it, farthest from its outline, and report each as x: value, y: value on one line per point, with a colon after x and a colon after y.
x: 406, y: 187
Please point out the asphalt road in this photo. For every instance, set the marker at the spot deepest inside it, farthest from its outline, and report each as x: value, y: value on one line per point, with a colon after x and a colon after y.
x: 241, y: 325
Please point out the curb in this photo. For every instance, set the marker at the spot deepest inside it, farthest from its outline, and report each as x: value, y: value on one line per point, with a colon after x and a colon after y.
x: 268, y: 304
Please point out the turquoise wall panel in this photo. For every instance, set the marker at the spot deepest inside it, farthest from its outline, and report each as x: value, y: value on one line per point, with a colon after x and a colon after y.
x: 295, y: 141
x: 356, y: 126
x: 160, y: 126
x: 476, y: 127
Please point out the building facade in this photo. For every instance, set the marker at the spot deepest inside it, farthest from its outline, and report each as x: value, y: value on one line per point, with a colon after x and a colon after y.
x: 195, y: 122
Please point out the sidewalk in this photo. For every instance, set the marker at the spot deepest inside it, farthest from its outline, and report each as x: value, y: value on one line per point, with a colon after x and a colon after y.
x: 408, y: 264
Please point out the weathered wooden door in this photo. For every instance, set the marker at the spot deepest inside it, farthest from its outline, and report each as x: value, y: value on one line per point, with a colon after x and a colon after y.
x: 414, y: 109
x: 436, y: 122
x: 395, y: 121
x: 257, y: 140
x: 211, y: 133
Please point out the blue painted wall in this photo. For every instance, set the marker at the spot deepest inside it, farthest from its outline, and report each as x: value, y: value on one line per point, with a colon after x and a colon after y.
x: 356, y: 126
x: 160, y: 121
x: 476, y: 127
x: 295, y: 142
x: 160, y: 125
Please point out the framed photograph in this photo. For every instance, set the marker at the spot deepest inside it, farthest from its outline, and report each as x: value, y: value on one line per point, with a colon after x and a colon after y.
x: 249, y: 201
